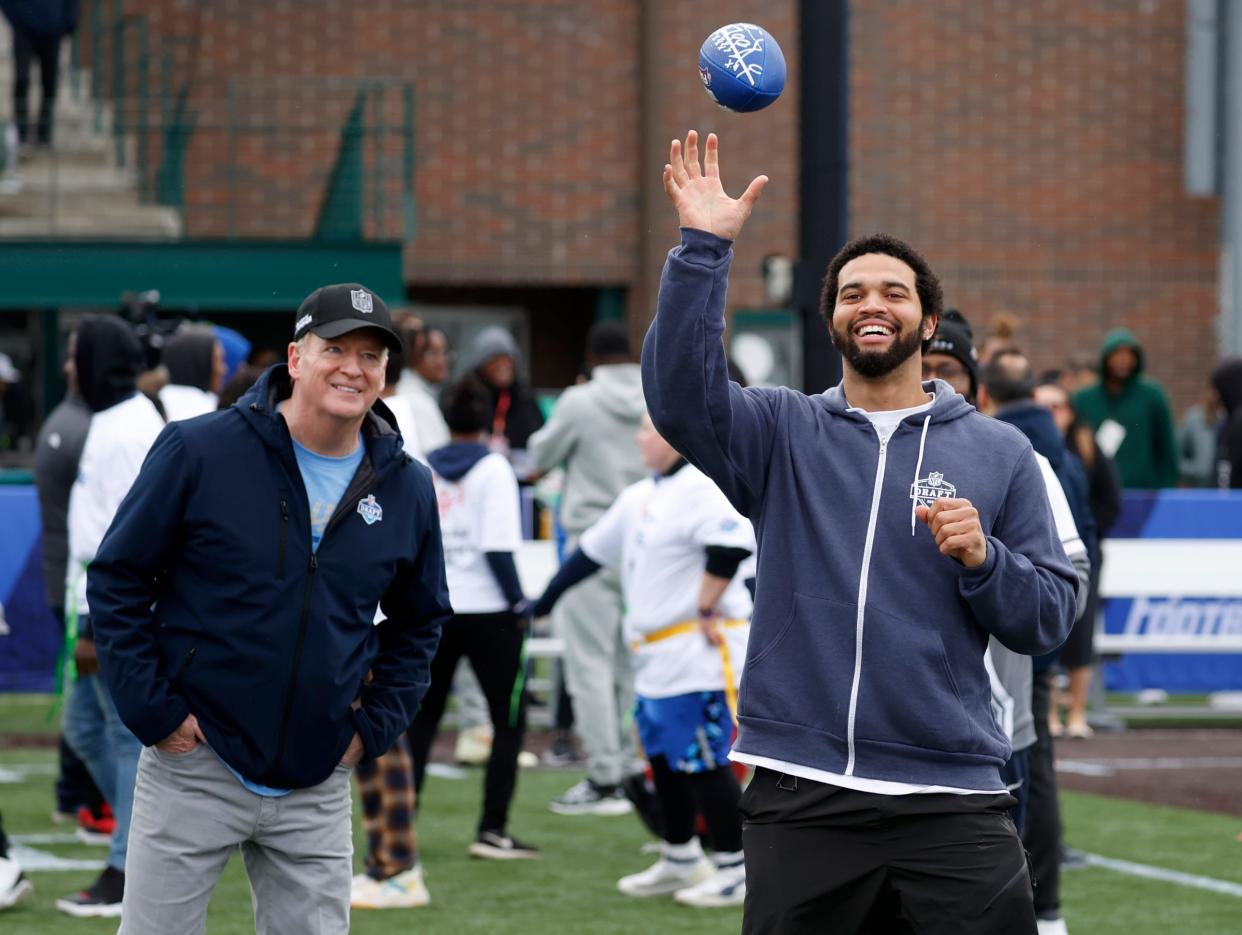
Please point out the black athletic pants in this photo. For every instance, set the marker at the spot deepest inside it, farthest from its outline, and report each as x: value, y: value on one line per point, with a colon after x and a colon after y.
x: 493, y: 644
x: 823, y: 859
x: 1042, y: 835
x: 27, y: 47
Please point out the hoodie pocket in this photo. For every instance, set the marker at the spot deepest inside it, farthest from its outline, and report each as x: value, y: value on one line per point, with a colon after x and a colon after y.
x: 801, y: 670
x: 907, y: 693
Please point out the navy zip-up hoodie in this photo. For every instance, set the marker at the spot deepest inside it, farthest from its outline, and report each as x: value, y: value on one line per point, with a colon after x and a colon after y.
x: 866, y: 646
x: 207, y: 599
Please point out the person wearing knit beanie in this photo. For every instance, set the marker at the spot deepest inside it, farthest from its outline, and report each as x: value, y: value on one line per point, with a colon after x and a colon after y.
x: 950, y: 355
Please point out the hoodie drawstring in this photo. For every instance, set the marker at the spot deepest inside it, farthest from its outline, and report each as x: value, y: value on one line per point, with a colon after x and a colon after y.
x: 918, y: 466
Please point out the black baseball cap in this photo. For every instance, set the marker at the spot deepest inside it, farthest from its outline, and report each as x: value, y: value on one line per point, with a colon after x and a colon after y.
x: 331, y: 311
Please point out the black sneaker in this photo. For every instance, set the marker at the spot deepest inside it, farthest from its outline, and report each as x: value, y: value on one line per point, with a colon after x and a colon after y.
x: 496, y: 845
x: 586, y: 798
x: 102, y: 900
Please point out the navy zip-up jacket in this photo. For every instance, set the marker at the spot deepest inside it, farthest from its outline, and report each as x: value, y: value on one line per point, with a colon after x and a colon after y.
x: 866, y: 646
x: 207, y: 599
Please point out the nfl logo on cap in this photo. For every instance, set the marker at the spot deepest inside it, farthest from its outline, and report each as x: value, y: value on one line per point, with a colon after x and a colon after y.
x: 361, y: 300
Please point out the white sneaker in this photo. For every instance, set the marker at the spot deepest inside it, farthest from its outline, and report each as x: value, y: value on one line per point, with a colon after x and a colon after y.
x: 14, y: 884
x: 474, y: 745
x: 666, y: 876
x: 404, y: 891
x: 725, y: 887
x: 1051, y: 927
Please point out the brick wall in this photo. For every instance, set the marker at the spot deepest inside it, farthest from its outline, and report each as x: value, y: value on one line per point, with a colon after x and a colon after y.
x: 1032, y: 149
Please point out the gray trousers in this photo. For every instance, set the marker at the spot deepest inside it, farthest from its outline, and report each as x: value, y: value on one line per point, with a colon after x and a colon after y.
x: 190, y: 813
x: 598, y: 673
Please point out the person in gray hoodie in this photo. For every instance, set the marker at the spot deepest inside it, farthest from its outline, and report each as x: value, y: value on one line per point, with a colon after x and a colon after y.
x: 898, y: 529
x: 591, y: 433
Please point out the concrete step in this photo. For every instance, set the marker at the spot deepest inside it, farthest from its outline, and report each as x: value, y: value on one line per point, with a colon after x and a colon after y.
x: 72, y: 219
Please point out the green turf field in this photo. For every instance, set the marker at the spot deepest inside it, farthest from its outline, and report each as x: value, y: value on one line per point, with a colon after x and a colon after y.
x: 572, y: 889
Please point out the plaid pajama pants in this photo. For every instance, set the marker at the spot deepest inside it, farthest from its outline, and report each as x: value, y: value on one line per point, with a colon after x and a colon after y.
x: 386, y: 787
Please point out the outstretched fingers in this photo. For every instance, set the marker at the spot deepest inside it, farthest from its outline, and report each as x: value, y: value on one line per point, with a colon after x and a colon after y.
x: 692, y: 155
x: 677, y: 164
x: 711, y: 157
x: 751, y: 195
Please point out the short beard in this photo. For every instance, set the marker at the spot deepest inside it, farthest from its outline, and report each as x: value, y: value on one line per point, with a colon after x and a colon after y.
x: 875, y: 364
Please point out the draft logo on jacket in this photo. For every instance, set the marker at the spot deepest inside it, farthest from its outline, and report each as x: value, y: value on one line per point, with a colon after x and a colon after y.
x: 370, y: 511
x: 927, y: 490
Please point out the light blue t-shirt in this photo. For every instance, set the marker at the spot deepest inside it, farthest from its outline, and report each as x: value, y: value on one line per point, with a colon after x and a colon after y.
x: 326, y: 479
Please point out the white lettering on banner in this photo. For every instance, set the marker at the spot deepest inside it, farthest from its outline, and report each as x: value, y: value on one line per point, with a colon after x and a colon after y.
x: 1177, y: 616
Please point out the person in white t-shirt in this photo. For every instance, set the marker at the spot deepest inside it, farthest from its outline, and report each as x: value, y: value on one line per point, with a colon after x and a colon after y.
x: 480, y: 523
x: 678, y: 545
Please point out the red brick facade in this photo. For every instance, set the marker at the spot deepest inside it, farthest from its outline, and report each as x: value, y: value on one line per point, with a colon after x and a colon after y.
x: 1031, y: 148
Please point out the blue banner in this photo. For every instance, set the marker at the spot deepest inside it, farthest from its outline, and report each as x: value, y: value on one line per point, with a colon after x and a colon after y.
x: 1183, y: 586
x: 30, y: 636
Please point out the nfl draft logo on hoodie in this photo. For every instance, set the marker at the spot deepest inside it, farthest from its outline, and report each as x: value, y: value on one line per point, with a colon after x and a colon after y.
x: 370, y: 511
x: 927, y: 490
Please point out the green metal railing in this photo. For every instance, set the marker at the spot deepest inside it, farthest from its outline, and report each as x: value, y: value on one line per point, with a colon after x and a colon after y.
x: 187, y: 144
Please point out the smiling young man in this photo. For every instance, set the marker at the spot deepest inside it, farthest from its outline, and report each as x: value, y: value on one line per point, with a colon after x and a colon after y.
x: 233, y: 599
x: 898, y: 528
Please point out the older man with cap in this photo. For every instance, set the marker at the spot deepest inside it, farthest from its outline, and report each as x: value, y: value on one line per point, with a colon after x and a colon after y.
x: 233, y: 602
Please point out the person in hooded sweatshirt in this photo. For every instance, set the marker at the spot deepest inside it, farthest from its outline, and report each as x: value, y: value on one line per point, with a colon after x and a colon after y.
x: 514, y: 414
x: 1227, y: 381
x: 194, y: 358
x: 57, y: 453
x: 480, y: 520
x: 108, y: 358
x: 591, y: 432
x: 235, y: 599
x: 898, y: 529
x: 1131, y: 415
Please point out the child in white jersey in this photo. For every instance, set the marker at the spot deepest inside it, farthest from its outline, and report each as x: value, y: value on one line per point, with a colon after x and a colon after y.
x: 678, y: 545
x: 480, y: 522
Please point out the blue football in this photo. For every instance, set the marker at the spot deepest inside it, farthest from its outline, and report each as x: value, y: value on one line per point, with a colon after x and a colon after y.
x: 742, y: 67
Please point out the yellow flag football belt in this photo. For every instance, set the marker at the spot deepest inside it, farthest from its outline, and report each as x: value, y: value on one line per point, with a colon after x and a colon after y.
x: 726, y: 662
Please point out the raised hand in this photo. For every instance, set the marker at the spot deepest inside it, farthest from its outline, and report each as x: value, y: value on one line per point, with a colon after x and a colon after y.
x: 697, y: 194
x: 955, y: 525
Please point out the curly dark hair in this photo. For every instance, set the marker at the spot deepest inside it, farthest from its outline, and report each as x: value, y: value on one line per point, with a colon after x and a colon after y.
x: 926, y: 282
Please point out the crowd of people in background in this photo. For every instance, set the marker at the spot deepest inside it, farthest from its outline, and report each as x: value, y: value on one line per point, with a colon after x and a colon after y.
x: 1101, y: 426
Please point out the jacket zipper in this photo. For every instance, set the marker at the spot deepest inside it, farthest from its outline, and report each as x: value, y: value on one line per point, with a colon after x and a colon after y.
x: 297, y: 658
x: 365, y: 477
x: 862, y: 600
x: 284, y: 533
x: 185, y: 664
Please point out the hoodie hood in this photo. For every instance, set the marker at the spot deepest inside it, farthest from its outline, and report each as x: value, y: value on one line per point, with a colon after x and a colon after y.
x: 1036, y: 423
x: 947, y: 404
x: 108, y: 360
x: 189, y: 357
x: 1227, y: 380
x: 1118, y: 338
x: 619, y: 390
x: 454, y: 461
x: 494, y: 342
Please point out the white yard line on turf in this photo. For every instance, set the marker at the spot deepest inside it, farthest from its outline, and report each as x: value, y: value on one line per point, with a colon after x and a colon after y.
x: 1167, y: 876
x: 28, y: 858
x: 1107, y: 767
x: 18, y: 772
